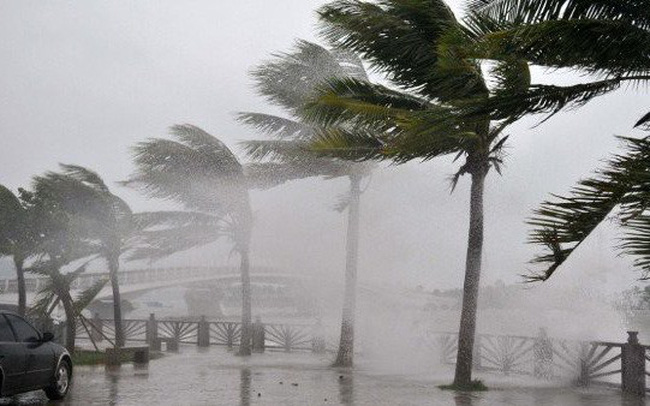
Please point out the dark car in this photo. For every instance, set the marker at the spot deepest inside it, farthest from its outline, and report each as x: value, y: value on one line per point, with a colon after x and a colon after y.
x: 30, y: 360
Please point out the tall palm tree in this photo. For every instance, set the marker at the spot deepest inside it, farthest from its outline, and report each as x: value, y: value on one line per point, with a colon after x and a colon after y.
x: 203, y: 175
x: 606, y: 41
x: 16, y: 238
x: 100, y: 217
x: 620, y: 191
x: 426, y: 53
x: 289, y: 81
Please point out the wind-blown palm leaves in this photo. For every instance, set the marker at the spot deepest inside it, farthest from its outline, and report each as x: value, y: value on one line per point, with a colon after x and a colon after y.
x: 620, y: 191
x: 17, y: 238
x: 56, y: 290
x: 289, y: 81
x: 98, y: 216
x: 428, y: 55
x: 199, y: 172
x: 609, y: 40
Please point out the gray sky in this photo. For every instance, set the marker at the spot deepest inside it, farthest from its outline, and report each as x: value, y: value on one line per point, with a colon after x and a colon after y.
x: 81, y: 82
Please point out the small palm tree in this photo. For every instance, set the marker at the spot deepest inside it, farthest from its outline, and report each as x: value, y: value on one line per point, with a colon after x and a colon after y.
x: 57, y: 290
x: 619, y: 191
x: 604, y: 40
x: 428, y: 55
x: 289, y: 81
x: 16, y: 238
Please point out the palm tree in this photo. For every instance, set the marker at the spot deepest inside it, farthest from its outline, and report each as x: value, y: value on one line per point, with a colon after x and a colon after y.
x: 288, y: 81
x: 203, y: 175
x: 606, y: 40
x: 426, y: 53
x: 58, y: 244
x: 619, y: 191
x: 16, y: 238
x: 101, y: 217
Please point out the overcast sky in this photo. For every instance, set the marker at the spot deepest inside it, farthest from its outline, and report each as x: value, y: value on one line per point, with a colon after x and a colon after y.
x: 81, y: 82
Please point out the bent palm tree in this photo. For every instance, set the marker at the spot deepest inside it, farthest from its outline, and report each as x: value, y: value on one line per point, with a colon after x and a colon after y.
x: 289, y: 81
x: 100, y: 217
x: 425, y: 51
x: 199, y: 172
x: 620, y: 190
x: 58, y: 243
x: 605, y: 39
x: 16, y: 238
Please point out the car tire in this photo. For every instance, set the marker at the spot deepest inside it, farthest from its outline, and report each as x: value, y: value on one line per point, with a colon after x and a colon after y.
x: 61, y: 382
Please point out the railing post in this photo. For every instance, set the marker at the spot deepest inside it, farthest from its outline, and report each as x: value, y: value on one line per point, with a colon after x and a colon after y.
x: 543, y: 353
x: 633, y: 365
x: 152, y: 333
x: 203, y: 333
x: 583, y: 364
x: 258, y: 338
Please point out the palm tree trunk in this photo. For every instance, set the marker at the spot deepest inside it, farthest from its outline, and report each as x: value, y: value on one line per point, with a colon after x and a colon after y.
x: 345, y: 356
x: 20, y: 279
x: 70, y: 322
x: 113, y: 268
x: 463, y: 375
x: 246, y: 313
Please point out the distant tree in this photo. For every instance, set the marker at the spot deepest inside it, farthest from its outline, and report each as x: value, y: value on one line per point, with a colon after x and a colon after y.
x: 16, y: 238
x: 289, y: 81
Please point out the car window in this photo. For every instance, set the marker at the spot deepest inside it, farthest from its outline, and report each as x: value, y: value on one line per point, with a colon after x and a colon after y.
x: 24, y: 332
x: 5, y: 331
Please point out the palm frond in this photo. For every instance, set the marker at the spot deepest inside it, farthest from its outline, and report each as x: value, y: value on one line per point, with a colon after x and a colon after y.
x: 563, y: 224
x: 398, y: 37
x: 198, y: 171
x: 275, y: 126
x: 532, y: 11
x: 85, y: 297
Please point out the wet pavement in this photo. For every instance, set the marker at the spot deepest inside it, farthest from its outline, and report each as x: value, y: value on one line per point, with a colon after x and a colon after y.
x: 217, y: 377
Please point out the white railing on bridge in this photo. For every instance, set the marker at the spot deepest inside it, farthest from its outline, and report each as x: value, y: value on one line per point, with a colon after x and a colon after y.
x: 133, y: 277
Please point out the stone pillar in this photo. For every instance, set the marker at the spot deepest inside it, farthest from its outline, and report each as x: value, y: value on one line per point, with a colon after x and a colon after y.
x: 152, y: 333
x: 203, y: 333
x: 633, y: 366
x: 258, y: 336
x: 543, y: 355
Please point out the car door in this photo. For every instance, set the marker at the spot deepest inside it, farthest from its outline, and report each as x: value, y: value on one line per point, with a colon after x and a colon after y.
x: 12, y: 359
x: 39, y: 356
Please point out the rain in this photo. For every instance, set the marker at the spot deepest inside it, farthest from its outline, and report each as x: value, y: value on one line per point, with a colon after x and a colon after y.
x: 311, y: 202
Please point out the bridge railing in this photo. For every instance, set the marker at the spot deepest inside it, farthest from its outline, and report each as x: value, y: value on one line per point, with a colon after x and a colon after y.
x: 278, y: 336
x: 586, y: 363
x: 133, y: 277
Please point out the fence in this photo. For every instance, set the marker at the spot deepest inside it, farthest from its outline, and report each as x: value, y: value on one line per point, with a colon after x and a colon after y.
x: 287, y: 337
x: 587, y: 363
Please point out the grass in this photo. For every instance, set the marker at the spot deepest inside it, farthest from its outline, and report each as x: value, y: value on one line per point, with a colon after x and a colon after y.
x: 85, y: 357
x: 474, y: 386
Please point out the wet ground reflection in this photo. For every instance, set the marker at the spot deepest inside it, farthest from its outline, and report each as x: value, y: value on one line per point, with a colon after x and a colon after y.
x: 216, y: 377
